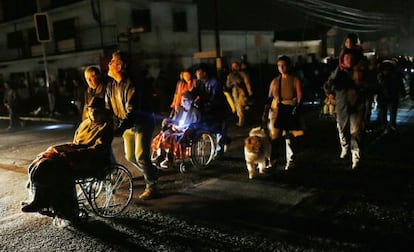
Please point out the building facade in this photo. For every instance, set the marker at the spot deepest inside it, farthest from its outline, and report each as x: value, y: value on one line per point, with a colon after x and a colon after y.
x: 86, y: 32
x: 164, y: 36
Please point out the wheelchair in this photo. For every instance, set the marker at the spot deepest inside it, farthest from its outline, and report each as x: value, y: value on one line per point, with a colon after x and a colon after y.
x: 106, y: 195
x: 197, y: 149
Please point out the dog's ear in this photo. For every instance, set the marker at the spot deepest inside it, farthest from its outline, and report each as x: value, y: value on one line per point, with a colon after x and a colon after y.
x: 247, y: 140
x: 253, y: 144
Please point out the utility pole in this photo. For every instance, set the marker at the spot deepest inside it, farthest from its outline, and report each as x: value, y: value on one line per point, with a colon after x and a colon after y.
x: 96, y: 13
x: 42, y: 42
x: 217, y: 37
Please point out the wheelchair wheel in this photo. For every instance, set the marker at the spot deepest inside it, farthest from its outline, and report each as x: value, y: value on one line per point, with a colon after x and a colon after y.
x: 86, y: 186
x: 114, y: 193
x: 183, y: 168
x: 202, y: 150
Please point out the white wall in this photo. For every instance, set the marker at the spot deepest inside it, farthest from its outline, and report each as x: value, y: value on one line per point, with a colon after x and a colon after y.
x: 257, y: 45
x: 116, y: 18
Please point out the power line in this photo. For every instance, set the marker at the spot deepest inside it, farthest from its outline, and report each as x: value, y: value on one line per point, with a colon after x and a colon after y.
x: 344, y: 17
x: 353, y: 11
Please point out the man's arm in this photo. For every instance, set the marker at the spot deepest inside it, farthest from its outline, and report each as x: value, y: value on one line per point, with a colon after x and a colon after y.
x: 130, y: 106
x: 246, y: 80
x: 298, y: 88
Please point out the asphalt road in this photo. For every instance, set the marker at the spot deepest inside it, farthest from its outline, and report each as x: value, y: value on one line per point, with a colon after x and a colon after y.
x: 321, y: 205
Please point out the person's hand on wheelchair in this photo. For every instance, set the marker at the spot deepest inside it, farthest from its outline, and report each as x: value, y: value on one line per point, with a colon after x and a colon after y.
x: 51, y: 150
x: 166, y: 124
x: 50, y: 153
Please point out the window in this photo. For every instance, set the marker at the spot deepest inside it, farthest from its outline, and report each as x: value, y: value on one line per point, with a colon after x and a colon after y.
x: 67, y: 35
x: 22, y: 40
x: 15, y: 40
x: 142, y: 19
x: 64, y: 29
x: 180, y: 21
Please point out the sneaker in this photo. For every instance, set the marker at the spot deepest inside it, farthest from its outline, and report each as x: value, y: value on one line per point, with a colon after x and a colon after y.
x: 165, y: 164
x: 389, y: 130
x: 218, y: 155
x: 289, y: 165
x: 344, y: 153
x: 31, y: 207
x: 155, y: 155
x: 149, y: 194
x: 355, y: 165
x: 226, y: 148
x: 154, y: 158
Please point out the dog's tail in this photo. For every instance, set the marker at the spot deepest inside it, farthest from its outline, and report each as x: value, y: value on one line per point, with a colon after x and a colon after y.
x: 265, y: 127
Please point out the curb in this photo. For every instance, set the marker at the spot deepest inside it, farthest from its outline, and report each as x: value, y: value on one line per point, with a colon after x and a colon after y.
x: 43, y: 119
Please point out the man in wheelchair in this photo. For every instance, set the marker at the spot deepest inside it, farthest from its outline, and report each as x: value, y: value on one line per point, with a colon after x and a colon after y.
x: 174, y: 131
x: 53, y: 173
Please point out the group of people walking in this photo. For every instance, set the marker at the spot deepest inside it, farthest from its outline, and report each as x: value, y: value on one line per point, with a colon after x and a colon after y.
x: 128, y: 104
x: 351, y: 91
x: 203, y: 101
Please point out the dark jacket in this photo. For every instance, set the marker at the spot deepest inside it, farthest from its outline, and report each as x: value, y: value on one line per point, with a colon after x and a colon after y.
x: 390, y: 81
x: 210, y: 99
x: 130, y: 103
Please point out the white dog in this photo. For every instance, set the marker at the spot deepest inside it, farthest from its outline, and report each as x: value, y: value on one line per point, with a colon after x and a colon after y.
x: 257, y: 149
